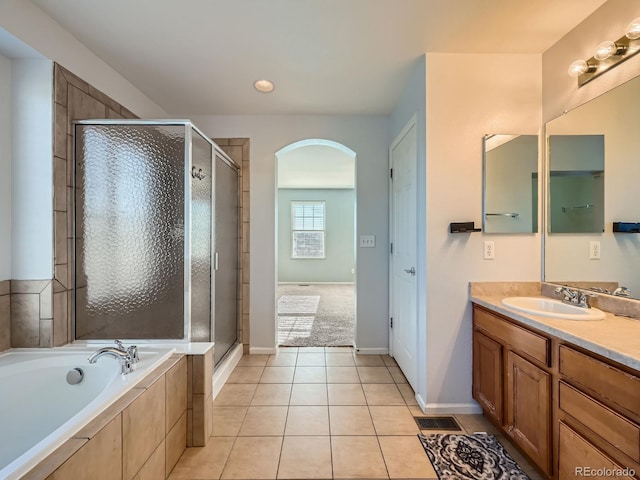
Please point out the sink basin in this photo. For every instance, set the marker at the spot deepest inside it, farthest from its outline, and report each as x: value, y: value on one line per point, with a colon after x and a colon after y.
x: 548, y: 307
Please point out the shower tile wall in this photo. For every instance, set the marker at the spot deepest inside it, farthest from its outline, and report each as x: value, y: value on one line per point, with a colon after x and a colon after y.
x: 5, y: 315
x: 238, y: 150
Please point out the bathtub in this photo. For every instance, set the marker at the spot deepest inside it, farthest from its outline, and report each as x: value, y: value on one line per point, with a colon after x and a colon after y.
x: 39, y: 410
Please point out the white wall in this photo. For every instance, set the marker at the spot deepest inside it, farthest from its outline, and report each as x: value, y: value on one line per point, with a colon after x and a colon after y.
x: 413, y: 101
x: 368, y: 137
x: 468, y: 96
x: 5, y: 168
x: 32, y: 169
x: 31, y: 25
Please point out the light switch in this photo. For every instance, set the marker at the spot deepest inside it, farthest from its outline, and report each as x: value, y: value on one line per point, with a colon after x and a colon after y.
x: 367, y: 241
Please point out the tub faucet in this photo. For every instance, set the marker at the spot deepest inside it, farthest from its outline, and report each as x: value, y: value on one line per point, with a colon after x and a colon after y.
x: 132, y: 350
x: 123, y: 356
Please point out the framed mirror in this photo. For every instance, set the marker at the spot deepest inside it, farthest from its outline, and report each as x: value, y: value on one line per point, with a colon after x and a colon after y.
x: 592, y: 169
x: 510, y: 184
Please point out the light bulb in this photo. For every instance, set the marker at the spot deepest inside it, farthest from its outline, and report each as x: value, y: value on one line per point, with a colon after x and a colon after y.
x: 264, y: 86
x: 577, y: 68
x: 605, y: 50
x: 633, y: 30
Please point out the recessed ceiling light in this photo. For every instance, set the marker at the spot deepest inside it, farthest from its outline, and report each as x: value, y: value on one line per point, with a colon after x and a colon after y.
x: 264, y: 86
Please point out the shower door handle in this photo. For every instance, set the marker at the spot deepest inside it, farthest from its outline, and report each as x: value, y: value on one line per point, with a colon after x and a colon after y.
x: 215, y: 261
x: 411, y: 271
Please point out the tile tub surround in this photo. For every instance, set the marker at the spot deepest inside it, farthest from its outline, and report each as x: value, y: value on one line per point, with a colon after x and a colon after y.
x: 140, y: 436
x: 31, y: 311
x: 615, y: 337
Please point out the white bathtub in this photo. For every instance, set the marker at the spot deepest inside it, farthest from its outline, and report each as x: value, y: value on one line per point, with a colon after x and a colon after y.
x: 39, y: 410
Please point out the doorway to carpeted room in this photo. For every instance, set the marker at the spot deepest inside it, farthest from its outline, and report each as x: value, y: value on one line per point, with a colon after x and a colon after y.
x: 316, y: 315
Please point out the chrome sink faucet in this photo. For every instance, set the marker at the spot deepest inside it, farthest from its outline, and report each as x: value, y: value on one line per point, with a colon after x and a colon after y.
x: 127, y: 357
x: 575, y: 297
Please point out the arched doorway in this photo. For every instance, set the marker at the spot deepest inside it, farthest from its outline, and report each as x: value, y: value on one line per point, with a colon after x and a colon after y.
x: 315, y: 244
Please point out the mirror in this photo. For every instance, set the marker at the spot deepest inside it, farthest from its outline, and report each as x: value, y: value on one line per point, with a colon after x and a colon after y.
x: 510, y: 184
x: 580, y: 144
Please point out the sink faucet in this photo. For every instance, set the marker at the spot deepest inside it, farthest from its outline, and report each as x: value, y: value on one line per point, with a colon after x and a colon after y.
x: 622, y: 292
x: 127, y: 357
x: 570, y: 296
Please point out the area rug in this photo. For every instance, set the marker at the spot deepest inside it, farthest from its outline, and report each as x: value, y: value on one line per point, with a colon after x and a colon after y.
x: 475, y: 457
x: 320, y: 315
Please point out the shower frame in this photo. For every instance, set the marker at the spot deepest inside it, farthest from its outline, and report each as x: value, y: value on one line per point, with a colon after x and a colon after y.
x: 188, y: 165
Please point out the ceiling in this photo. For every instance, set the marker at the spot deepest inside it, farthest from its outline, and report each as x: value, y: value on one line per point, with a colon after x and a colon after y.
x: 201, y: 57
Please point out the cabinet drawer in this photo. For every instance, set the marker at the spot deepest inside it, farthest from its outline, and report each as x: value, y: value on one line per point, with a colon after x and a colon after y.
x: 619, y: 387
x: 615, y: 429
x: 527, y: 343
x: 576, y: 455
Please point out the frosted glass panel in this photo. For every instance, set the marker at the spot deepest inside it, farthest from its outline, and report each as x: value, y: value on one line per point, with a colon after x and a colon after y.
x: 130, y: 231
x: 201, y: 240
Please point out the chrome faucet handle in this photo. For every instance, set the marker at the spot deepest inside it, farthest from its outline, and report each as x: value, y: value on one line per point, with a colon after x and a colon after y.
x: 622, y: 292
x: 120, y: 345
x: 133, y: 353
x: 584, y: 299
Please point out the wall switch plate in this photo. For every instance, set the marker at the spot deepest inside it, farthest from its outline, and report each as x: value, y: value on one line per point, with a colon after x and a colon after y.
x: 594, y: 250
x: 367, y: 241
x: 489, y: 250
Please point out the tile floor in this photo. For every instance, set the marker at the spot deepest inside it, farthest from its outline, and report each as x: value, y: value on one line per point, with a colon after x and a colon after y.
x: 316, y: 413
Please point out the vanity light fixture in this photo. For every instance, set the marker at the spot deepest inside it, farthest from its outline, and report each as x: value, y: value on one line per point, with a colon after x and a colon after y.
x: 264, y: 86
x: 608, y: 54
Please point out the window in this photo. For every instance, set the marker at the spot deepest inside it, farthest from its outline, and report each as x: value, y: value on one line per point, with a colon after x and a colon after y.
x: 307, y: 229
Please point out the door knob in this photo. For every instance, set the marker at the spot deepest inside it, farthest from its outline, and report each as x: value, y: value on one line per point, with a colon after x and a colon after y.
x: 411, y: 270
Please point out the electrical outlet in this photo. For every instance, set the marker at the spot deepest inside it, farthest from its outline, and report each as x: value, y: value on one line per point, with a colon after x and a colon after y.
x: 594, y: 250
x: 489, y: 250
x: 367, y: 241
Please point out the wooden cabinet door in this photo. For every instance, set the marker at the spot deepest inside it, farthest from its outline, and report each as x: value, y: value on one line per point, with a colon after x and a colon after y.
x: 578, y: 458
x: 487, y: 375
x: 528, y: 409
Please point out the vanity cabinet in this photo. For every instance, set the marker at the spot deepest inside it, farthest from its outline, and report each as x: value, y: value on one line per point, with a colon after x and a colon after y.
x: 512, y: 383
x: 569, y: 410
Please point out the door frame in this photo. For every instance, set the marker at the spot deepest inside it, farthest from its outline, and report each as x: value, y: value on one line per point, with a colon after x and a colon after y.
x: 412, y: 123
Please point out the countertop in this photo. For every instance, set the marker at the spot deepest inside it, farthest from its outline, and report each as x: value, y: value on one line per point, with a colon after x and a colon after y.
x: 616, y: 338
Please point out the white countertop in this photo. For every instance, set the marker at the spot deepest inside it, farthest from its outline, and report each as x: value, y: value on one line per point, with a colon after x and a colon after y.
x: 616, y: 338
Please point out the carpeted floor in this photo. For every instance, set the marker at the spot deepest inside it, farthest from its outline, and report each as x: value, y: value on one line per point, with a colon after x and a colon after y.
x: 316, y: 315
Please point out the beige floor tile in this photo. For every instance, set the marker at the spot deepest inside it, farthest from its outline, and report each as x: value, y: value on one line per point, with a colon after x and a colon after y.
x: 307, y: 420
x: 407, y: 393
x: 310, y: 360
x: 374, y: 375
x: 277, y: 375
x: 235, y: 395
x: 389, y: 361
x: 476, y: 423
x: 283, y: 360
x: 340, y: 360
x: 357, y: 457
x: 342, y: 375
x: 397, y: 375
x: 405, y: 458
x: 346, y: 394
x: 310, y: 349
x: 338, y: 350
x: 305, y: 457
x: 272, y: 394
x: 369, y: 360
x: 227, y: 421
x: 253, y: 361
x: 309, y: 394
x: 393, y: 421
x: 254, y: 458
x: 350, y: 420
x: 264, y: 421
x: 310, y: 375
x: 245, y: 375
x: 382, y: 394
x: 416, y: 411
x: 203, y: 463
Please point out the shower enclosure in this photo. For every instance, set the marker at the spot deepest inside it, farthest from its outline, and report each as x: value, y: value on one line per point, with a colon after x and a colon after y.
x: 149, y: 235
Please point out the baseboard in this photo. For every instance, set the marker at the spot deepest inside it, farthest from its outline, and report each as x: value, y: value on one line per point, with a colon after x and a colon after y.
x: 222, y: 372
x: 371, y: 351
x: 451, y: 408
x: 263, y: 350
x: 421, y: 403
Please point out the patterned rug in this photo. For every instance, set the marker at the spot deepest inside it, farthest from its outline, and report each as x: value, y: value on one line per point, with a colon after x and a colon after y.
x: 476, y: 457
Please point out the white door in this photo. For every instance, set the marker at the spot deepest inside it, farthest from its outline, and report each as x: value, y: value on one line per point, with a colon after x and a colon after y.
x: 403, y: 235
